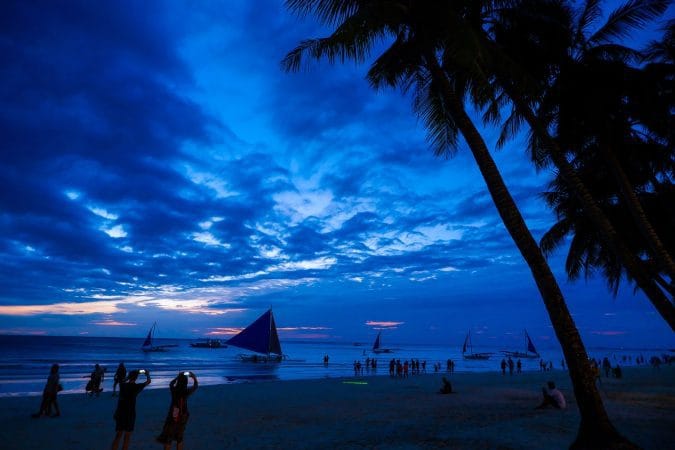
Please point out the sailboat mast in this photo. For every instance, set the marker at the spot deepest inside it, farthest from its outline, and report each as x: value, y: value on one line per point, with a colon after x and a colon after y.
x: 269, y: 339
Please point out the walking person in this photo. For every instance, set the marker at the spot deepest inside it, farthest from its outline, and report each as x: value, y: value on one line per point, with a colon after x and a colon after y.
x: 49, y: 394
x: 125, y: 414
x: 178, y: 415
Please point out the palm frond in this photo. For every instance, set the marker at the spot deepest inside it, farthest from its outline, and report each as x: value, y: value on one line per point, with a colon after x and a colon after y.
x: 555, y: 236
x: 395, y: 66
x: 510, y: 127
x: 613, y: 52
x: 662, y: 51
x: 429, y: 104
x: 360, y: 27
x: 586, y: 17
x: 329, y: 12
x: 574, y: 262
x: 350, y: 41
x: 634, y: 14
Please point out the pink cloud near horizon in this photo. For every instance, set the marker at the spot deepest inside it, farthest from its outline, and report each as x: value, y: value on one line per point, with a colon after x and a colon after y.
x: 608, y: 333
x: 383, y: 325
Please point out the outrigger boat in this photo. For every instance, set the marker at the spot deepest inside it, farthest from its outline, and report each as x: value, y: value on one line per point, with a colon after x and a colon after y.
x: 471, y: 354
x: 530, y: 351
x: 149, y: 347
x: 209, y: 343
x: 260, y: 337
x: 377, y: 346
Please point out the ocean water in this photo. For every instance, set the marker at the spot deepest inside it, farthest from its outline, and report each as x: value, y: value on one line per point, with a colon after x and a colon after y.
x: 25, y: 361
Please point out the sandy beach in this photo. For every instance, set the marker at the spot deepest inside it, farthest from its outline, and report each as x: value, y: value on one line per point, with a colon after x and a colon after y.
x: 489, y: 411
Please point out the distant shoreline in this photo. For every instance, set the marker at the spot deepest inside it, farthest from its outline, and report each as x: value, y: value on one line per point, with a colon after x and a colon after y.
x: 362, y: 344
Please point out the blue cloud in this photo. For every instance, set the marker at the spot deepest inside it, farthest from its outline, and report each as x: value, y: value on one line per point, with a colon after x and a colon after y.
x: 155, y: 155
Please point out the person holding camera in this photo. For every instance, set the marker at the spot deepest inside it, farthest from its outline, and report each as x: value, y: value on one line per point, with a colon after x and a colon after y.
x: 125, y: 414
x: 177, y: 417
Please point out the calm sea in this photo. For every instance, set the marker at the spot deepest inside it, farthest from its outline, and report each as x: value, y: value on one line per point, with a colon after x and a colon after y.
x: 25, y: 361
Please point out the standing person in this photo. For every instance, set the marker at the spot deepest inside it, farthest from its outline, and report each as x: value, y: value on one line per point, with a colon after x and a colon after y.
x: 503, y: 366
x: 49, y: 394
x: 606, y: 366
x: 510, y: 363
x: 125, y: 414
x: 519, y: 366
x: 178, y: 415
x: 120, y: 375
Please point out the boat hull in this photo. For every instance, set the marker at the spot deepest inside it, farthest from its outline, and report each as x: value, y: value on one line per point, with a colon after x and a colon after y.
x: 208, y: 344
x: 477, y: 356
x: 261, y: 358
x: 521, y: 355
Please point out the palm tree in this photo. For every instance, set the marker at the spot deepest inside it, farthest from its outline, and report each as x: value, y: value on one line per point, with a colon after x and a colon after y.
x: 436, y: 54
x: 587, y: 252
x: 533, y: 82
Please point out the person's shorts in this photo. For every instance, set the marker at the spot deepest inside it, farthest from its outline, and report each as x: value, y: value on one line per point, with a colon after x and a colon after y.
x: 124, y: 423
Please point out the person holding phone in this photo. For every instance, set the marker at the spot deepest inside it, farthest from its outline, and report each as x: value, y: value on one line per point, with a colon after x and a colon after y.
x: 177, y: 417
x: 125, y: 414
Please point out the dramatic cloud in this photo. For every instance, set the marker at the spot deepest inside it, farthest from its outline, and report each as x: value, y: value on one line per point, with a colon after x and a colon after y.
x: 157, y: 165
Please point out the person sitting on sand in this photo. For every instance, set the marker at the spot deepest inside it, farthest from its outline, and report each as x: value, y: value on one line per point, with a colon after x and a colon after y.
x: 125, y: 414
x: 49, y: 394
x: 95, y: 379
x: 552, y: 397
x: 178, y: 415
x: 446, y: 388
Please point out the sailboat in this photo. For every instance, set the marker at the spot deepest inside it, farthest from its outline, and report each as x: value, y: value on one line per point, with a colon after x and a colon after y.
x: 377, y: 348
x: 260, y: 337
x: 208, y: 343
x: 147, y: 344
x: 530, y: 351
x: 471, y: 354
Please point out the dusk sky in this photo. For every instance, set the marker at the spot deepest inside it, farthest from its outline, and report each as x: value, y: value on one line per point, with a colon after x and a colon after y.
x: 158, y: 165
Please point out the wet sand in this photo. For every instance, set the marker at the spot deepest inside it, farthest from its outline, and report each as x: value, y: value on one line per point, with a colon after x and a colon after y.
x: 488, y: 411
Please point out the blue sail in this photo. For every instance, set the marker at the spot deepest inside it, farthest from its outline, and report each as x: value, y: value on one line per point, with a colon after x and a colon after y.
x: 376, y: 345
x: 260, y: 337
x: 530, y: 345
x: 148, y: 339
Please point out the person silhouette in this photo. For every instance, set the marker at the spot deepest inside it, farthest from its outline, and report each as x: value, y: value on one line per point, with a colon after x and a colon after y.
x: 125, y: 414
x: 49, y: 394
x: 552, y: 397
x: 446, y: 388
x: 120, y: 375
x: 178, y: 415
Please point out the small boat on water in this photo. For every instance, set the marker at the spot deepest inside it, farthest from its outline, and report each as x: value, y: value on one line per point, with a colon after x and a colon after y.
x: 208, y: 343
x: 377, y: 345
x: 469, y: 346
x: 260, y: 337
x: 530, y: 351
x: 148, y: 345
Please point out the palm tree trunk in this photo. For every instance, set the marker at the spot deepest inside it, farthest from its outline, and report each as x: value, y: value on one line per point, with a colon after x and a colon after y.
x: 640, y: 218
x: 663, y: 305
x: 596, y: 430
